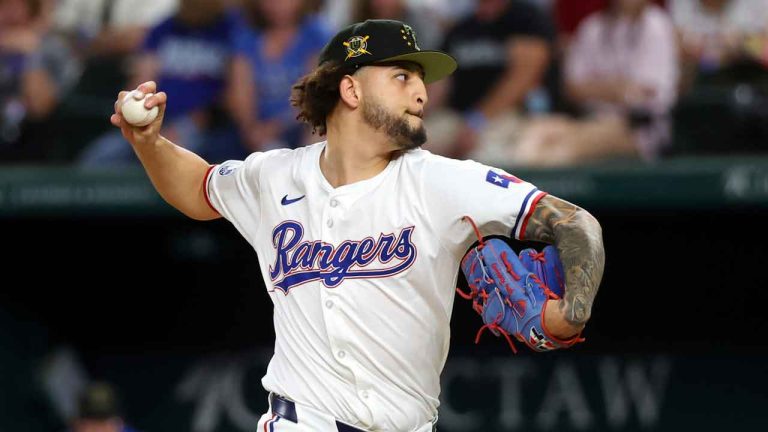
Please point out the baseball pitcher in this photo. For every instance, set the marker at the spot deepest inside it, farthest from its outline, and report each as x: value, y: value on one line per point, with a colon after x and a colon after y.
x: 360, y: 239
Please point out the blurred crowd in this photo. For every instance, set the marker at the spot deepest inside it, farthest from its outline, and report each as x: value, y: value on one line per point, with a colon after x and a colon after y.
x: 540, y: 82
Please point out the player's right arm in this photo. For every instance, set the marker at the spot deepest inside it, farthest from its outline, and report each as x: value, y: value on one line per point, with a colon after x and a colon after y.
x: 177, y: 174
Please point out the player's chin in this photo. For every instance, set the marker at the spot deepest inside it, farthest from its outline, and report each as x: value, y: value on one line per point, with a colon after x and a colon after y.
x: 414, y: 123
x: 416, y: 138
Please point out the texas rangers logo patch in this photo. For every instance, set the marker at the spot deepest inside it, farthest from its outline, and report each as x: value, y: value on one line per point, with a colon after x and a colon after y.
x: 501, y: 180
x: 299, y: 261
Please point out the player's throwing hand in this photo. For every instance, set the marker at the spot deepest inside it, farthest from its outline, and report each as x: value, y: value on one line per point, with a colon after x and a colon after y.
x: 141, y: 135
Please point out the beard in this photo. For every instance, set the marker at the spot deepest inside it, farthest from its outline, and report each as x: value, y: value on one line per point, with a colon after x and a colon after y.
x: 397, y: 128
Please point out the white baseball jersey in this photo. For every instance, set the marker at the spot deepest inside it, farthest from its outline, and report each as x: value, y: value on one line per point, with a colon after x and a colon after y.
x: 363, y: 276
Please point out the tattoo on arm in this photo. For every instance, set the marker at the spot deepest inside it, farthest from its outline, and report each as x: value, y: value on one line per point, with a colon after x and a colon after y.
x: 579, y: 240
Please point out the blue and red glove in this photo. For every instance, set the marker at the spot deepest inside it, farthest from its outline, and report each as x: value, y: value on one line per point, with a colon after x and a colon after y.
x: 547, y: 266
x: 510, y: 293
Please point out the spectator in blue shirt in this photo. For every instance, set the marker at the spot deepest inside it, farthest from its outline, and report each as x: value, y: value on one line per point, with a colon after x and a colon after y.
x: 190, y: 55
x: 282, y: 46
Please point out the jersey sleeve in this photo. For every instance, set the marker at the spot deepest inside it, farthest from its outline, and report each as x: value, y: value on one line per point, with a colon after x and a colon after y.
x: 232, y: 189
x: 497, y: 202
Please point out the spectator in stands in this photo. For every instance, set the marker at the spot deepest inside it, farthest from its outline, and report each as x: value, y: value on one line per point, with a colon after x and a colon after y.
x: 717, y: 34
x: 104, y: 34
x: 284, y: 44
x: 622, y: 71
x: 37, y: 69
x: 569, y: 14
x: 190, y: 55
x: 503, y: 49
x: 99, y: 411
x: 427, y: 28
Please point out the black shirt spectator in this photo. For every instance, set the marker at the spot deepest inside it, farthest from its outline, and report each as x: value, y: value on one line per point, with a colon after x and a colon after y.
x: 480, y: 47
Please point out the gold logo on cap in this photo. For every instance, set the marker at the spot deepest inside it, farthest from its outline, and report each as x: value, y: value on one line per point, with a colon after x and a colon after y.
x: 356, y: 46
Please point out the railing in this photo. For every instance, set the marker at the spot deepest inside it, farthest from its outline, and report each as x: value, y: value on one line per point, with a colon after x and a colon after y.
x: 699, y: 183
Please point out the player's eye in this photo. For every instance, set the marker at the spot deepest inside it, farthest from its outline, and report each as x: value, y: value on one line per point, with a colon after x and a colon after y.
x: 402, y: 76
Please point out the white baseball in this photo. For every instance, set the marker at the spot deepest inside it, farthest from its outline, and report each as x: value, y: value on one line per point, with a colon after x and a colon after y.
x: 134, y: 112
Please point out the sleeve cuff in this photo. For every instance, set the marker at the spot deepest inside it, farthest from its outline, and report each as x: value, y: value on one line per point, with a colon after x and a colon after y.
x: 526, y: 210
x: 206, y: 186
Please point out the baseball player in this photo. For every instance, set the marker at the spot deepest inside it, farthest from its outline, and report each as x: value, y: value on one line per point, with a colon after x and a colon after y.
x: 360, y: 237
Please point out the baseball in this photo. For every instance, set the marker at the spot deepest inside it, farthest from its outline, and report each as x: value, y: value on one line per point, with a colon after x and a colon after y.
x: 134, y: 112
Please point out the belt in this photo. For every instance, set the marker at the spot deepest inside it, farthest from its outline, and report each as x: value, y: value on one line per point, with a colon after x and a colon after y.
x: 287, y: 409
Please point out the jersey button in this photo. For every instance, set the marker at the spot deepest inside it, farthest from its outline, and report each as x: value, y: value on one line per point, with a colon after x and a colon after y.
x: 334, y: 203
x: 364, y: 394
x: 329, y: 223
x: 341, y: 354
x: 329, y: 304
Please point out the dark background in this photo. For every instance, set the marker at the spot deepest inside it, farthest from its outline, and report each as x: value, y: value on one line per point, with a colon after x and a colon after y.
x: 675, y: 280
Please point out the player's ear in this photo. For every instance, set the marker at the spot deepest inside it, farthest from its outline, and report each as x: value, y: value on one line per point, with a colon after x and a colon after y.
x: 349, y: 91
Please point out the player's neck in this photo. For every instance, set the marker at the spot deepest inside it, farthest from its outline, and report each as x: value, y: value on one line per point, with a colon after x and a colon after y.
x: 353, y: 156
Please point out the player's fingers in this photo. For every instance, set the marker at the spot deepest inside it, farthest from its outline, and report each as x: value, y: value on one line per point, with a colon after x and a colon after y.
x: 115, y: 119
x: 147, y: 87
x: 156, y: 100
x: 120, y: 98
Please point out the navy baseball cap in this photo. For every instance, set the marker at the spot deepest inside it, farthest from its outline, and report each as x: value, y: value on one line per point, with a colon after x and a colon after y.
x: 381, y: 41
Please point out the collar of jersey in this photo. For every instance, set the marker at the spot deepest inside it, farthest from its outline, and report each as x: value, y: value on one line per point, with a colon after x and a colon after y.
x: 356, y: 188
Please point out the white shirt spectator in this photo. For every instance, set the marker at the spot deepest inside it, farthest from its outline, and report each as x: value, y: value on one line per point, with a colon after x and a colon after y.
x: 643, y: 52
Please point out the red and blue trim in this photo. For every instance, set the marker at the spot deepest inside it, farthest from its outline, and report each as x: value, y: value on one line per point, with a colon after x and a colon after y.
x: 206, y: 185
x: 269, y: 426
x: 526, y: 210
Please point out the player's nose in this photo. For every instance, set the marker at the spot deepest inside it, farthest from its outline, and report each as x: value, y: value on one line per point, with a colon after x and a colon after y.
x: 420, y: 93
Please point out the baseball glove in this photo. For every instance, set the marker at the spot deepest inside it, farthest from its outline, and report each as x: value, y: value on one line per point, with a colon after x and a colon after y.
x: 547, y: 266
x: 510, y: 292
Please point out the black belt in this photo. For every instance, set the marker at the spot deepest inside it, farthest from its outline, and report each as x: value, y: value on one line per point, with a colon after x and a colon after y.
x: 287, y: 410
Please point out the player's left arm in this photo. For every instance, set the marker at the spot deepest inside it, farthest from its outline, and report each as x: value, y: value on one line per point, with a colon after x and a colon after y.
x: 577, y: 235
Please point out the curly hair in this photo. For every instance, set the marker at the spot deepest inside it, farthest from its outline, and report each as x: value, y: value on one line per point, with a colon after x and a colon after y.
x: 316, y: 94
